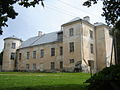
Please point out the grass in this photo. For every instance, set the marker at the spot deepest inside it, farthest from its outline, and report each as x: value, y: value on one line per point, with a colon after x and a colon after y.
x: 42, y: 81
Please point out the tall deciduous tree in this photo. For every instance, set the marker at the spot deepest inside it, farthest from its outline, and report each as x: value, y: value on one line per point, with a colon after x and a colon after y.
x: 7, y: 9
x: 1, y: 57
x: 111, y: 10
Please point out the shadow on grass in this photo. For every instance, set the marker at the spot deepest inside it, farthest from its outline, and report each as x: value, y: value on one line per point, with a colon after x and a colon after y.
x: 44, y: 87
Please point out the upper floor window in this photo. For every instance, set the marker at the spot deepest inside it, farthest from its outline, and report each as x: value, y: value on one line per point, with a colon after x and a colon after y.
x: 52, y: 51
x: 20, y: 55
x: 34, y: 54
x: 71, y: 32
x: 28, y: 55
x: 71, y: 46
x: 12, y: 56
x: 91, y: 48
x: 71, y: 60
x: 61, y: 50
x: 91, y: 34
x: 13, y: 45
x: 42, y: 53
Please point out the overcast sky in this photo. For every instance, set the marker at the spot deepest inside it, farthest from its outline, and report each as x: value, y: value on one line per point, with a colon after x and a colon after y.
x: 49, y: 19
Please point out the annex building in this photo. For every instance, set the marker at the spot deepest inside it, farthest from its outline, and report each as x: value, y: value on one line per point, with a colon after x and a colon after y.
x: 78, y: 46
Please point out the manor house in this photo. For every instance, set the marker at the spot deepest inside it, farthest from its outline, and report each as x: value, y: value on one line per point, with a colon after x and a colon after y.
x: 78, y: 46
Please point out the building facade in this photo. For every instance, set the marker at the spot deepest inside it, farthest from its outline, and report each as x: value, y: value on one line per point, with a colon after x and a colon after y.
x: 78, y: 46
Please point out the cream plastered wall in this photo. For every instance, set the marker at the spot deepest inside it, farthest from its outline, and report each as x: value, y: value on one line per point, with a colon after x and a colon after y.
x: 41, y: 63
x: 86, y: 51
x: 8, y: 64
x: 76, y: 55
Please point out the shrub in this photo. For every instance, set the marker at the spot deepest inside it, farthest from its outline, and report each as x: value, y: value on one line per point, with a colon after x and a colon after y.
x: 107, y: 79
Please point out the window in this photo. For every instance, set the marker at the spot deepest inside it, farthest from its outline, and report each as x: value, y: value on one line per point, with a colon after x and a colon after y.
x: 13, y: 45
x: 71, y: 32
x: 28, y: 55
x: 91, y: 48
x: 61, y: 65
x: 61, y: 50
x: 27, y: 66
x: 91, y: 34
x: 12, y: 56
x: 42, y: 53
x: 20, y: 55
x: 71, y: 46
x: 52, y: 51
x: 34, y: 66
x: 71, y: 60
x: 60, y: 36
x: 34, y: 54
x: 52, y: 65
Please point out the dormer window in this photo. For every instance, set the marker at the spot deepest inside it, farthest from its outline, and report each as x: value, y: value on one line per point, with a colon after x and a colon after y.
x: 60, y: 36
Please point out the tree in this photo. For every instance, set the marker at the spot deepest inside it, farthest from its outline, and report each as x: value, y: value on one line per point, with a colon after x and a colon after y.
x: 1, y: 57
x: 7, y: 9
x: 111, y: 12
x: 108, y: 78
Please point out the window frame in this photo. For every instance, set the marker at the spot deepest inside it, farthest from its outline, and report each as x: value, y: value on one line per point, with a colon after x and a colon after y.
x: 34, y: 66
x: 91, y: 34
x: 34, y: 55
x: 52, y: 65
x: 92, y: 48
x: 71, y: 60
x: 41, y: 53
x: 52, y: 51
x: 71, y: 46
x: 61, y: 51
x: 13, y: 45
x: 28, y: 55
x: 27, y: 66
x: 12, y: 56
x: 71, y: 32
x: 20, y: 56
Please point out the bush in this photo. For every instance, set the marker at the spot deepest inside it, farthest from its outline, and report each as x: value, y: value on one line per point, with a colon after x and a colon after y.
x: 107, y: 79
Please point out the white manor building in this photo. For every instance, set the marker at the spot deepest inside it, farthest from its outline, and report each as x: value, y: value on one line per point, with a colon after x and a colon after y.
x: 77, y: 47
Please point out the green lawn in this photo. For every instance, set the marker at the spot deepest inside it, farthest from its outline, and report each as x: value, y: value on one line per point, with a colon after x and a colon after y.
x: 42, y: 81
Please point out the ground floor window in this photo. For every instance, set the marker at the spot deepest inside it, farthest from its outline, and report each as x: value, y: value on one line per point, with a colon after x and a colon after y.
x: 27, y: 66
x: 61, y: 65
x: 71, y: 60
x: 34, y: 66
x: 52, y: 65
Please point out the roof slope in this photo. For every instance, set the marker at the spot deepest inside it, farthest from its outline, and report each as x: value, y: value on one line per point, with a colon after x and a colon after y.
x: 46, y: 38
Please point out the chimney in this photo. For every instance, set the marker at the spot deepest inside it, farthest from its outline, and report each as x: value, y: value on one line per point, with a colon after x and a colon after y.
x: 40, y: 33
x: 86, y: 18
